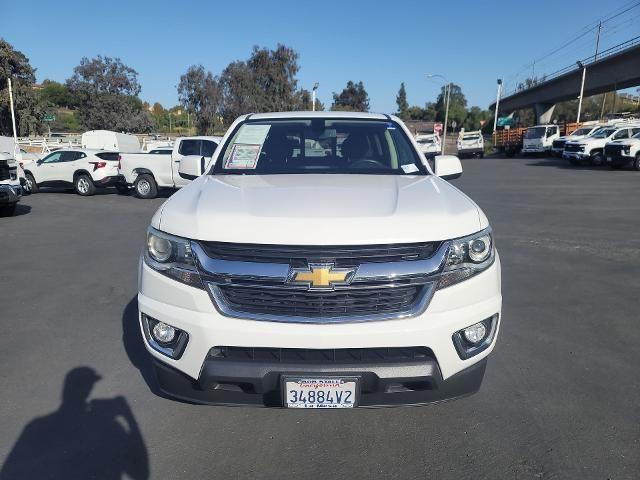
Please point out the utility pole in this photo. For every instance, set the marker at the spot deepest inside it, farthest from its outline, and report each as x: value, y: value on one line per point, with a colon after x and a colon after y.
x: 13, y: 115
x: 498, y: 95
x: 584, y: 74
x: 446, y: 119
x: 595, y: 57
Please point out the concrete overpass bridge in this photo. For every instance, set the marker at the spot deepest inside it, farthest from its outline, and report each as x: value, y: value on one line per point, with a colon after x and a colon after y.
x: 614, y: 69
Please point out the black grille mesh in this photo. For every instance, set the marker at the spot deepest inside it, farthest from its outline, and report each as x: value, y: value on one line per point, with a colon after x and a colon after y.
x: 308, y: 303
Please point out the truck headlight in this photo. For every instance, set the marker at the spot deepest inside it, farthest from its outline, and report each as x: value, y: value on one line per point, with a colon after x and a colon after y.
x: 171, y: 256
x: 626, y: 150
x: 467, y: 257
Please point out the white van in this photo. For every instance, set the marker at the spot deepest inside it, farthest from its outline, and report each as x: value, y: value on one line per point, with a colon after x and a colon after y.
x: 110, y: 141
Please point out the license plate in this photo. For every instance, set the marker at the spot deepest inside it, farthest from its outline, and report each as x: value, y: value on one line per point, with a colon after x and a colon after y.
x: 325, y: 392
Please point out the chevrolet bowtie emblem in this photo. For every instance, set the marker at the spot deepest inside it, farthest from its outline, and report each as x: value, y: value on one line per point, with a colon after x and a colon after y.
x: 321, y: 275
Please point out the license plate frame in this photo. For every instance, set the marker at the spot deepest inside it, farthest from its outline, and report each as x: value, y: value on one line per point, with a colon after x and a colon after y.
x: 315, y: 379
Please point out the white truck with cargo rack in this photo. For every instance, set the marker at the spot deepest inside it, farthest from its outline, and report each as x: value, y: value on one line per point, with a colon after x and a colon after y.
x: 148, y: 172
x: 290, y: 276
x: 539, y: 139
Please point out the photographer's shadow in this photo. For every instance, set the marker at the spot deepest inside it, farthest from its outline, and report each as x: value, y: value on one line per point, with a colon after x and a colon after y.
x: 84, y: 438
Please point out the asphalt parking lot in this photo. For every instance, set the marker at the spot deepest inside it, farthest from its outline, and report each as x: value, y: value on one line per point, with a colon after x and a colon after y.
x: 559, y: 400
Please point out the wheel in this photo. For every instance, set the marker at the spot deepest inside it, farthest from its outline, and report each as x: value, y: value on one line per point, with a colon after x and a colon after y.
x: 597, y: 159
x: 122, y: 189
x: 8, y: 210
x: 145, y: 186
x: 636, y: 163
x: 83, y: 185
x: 31, y: 186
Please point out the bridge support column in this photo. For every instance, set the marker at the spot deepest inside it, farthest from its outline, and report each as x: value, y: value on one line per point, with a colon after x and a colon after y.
x: 544, y: 112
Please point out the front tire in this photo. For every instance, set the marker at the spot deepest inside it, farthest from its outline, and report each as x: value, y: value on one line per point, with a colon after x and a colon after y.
x: 597, y: 159
x: 83, y: 185
x: 636, y: 163
x: 145, y: 186
x: 31, y: 185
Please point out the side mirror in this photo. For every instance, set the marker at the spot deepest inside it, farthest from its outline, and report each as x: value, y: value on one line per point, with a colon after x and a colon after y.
x: 191, y: 167
x: 38, y: 162
x: 448, y: 167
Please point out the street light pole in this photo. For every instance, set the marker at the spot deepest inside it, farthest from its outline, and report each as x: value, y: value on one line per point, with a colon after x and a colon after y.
x: 447, y: 93
x: 584, y: 73
x: 499, y: 94
x: 313, y: 96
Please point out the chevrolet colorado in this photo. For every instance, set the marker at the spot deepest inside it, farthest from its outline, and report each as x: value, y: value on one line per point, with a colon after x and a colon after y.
x: 295, y: 276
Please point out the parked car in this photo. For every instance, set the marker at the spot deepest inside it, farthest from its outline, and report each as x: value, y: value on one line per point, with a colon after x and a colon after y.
x: 470, y: 144
x: 355, y: 277
x: 622, y: 152
x: 10, y: 189
x: 558, y: 144
x: 429, y: 144
x: 539, y: 139
x: 110, y: 141
x: 591, y: 149
x: 147, y: 172
x: 83, y: 169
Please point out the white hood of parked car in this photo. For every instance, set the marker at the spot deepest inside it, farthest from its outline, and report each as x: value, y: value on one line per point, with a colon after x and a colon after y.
x: 323, y: 209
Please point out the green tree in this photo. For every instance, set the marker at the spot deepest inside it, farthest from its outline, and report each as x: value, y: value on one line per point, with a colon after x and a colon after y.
x: 199, y: 94
x: 353, y: 97
x: 56, y: 94
x: 29, y: 109
x: 401, y: 101
x: 457, y: 105
x: 106, y: 91
x: 266, y: 82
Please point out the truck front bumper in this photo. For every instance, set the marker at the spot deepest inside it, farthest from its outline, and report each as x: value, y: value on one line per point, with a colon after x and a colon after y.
x: 535, y: 150
x: 437, y: 373
x: 470, y: 151
x: 110, y: 181
x: 10, y: 194
x: 576, y: 156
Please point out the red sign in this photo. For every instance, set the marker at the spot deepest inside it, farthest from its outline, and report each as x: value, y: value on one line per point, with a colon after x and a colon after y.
x: 437, y: 128
x: 482, y: 122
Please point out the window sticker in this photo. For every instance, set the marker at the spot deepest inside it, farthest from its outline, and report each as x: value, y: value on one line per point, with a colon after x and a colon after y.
x: 410, y: 168
x: 244, y: 156
x: 252, y: 134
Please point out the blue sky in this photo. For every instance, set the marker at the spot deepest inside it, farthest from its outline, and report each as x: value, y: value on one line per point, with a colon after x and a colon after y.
x: 381, y: 43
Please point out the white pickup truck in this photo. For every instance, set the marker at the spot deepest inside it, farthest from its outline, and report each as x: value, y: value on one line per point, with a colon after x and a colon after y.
x: 291, y: 276
x: 620, y: 153
x: 10, y: 188
x: 147, y: 172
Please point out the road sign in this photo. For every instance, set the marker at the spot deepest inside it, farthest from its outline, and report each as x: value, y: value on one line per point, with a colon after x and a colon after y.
x: 454, y: 124
x: 49, y: 117
x: 505, y: 121
x: 482, y: 122
x: 437, y: 128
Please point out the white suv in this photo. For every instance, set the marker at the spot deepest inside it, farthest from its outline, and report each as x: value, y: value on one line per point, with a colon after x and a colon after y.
x: 82, y: 168
x: 287, y: 275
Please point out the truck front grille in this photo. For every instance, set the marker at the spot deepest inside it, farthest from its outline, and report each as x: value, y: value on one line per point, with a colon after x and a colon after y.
x: 321, y: 356
x: 306, y: 303
x: 5, y: 171
x: 569, y: 147
x: 559, y: 144
x: 341, y: 256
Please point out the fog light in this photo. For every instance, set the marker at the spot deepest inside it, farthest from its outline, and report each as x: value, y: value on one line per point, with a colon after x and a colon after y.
x: 164, y: 338
x: 164, y: 333
x: 473, y: 334
x: 476, y: 338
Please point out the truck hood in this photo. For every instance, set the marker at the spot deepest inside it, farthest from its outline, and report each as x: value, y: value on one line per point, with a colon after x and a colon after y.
x: 319, y: 210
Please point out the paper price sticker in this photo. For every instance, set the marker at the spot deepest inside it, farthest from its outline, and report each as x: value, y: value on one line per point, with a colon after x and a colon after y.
x: 244, y: 156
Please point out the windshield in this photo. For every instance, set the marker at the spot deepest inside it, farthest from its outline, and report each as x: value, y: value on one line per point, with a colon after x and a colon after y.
x: 471, y: 137
x: 319, y: 145
x: 426, y: 141
x: 535, y: 132
x: 581, y: 131
x: 603, y: 133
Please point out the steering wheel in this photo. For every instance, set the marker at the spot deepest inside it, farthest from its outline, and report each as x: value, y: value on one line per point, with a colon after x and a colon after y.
x: 365, y: 162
